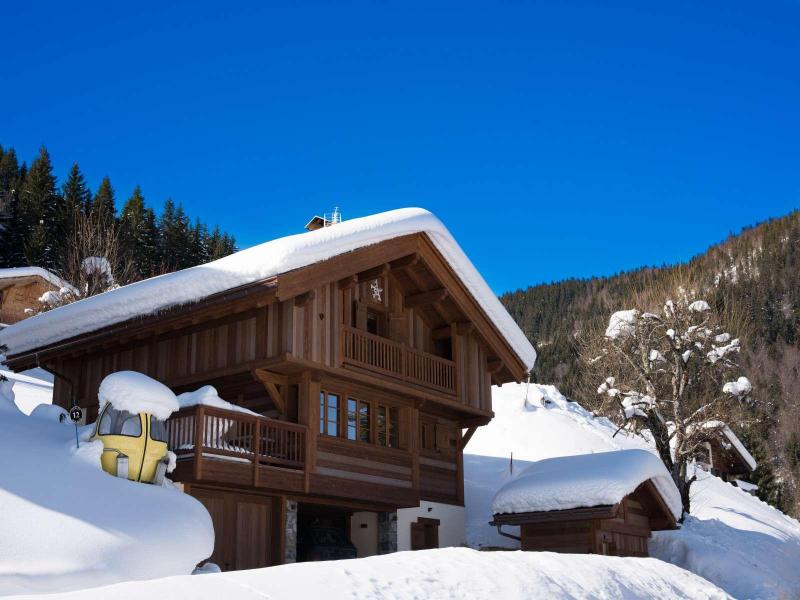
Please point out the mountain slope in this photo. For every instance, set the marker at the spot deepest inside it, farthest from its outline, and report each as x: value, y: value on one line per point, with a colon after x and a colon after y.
x: 755, y: 274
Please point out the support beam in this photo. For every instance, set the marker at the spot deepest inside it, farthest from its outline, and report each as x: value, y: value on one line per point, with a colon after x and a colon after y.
x: 425, y: 298
x: 442, y: 333
x: 303, y: 299
x: 465, y: 328
x: 348, y: 282
x: 374, y: 273
x: 494, y: 366
x: 271, y: 382
x: 466, y: 438
x: 405, y: 262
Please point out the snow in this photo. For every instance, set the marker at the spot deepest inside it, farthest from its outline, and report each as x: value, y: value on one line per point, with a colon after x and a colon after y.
x: 735, y: 540
x: 256, y: 264
x: 449, y: 573
x: 585, y: 480
x: 31, y: 388
x: 740, y: 387
x: 732, y: 539
x: 136, y: 392
x: 746, y: 486
x: 699, y: 306
x: 67, y: 524
x: 208, y: 396
x: 51, y: 278
x: 622, y: 324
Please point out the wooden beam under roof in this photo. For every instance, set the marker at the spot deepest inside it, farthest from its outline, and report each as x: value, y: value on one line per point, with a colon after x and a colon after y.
x: 425, y: 298
x: 374, y: 273
x: 405, y: 262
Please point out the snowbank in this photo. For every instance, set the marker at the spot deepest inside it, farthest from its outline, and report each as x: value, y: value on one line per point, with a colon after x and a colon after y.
x: 66, y: 524
x: 136, y: 392
x: 586, y: 480
x: 31, y: 388
x: 457, y: 573
x: 256, y: 264
x: 733, y: 539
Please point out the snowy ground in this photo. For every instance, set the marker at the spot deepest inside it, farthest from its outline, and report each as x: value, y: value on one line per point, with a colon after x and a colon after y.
x: 32, y: 387
x: 66, y: 524
x: 732, y: 539
x: 453, y: 573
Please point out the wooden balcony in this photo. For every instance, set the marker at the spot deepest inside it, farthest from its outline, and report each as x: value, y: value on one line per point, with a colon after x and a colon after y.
x: 237, y: 447
x: 392, y: 359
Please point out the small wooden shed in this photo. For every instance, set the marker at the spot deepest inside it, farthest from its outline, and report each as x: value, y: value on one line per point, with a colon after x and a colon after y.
x: 725, y: 456
x: 606, y: 503
x: 20, y: 289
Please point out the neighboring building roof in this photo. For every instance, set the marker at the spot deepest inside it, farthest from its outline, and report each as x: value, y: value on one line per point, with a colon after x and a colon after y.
x: 734, y: 441
x: 586, y: 481
x: 259, y: 263
x: 29, y: 272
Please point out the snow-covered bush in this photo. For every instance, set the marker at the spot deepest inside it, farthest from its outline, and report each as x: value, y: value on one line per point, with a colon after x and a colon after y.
x: 669, y: 373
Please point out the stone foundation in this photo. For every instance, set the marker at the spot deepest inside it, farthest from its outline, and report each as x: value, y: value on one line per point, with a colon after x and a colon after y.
x: 290, y: 533
x: 387, y: 532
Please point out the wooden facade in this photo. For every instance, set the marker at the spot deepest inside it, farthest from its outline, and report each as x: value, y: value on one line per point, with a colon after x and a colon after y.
x: 18, y: 294
x: 619, y: 530
x: 364, y: 369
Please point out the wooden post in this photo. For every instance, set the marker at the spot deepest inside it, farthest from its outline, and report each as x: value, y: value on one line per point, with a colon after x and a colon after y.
x: 199, y: 440
x: 256, y: 449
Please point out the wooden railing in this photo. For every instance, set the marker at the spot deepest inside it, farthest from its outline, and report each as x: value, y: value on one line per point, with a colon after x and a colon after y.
x: 397, y: 360
x: 236, y: 436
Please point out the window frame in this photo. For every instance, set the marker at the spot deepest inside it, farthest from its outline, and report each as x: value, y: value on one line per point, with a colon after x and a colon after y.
x: 358, y: 418
x: 105, y: 414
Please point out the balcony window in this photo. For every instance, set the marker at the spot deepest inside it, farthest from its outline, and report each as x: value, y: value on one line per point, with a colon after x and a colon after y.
x: 329, y: 413
x: 358, y: 420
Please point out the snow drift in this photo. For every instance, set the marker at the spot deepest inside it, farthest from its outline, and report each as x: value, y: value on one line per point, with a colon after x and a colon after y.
x: 66, y: 524
x: 458, y: 573
x: 733, y: 539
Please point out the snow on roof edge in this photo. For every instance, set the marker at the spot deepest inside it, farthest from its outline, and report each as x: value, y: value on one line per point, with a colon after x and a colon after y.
x: 585, y: 480
x: 257, y: 263
x: 49, y: 276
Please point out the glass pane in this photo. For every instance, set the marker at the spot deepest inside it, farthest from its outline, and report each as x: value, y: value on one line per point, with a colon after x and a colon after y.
x: 363, y: 421
x: 394, y: 434
x: 382, y: 425
x: 333, y: 414
x: 158, y: 430
x: 131, y: 426
x: 105, y: 422
x: 322, y: 412
x: 351, y: 419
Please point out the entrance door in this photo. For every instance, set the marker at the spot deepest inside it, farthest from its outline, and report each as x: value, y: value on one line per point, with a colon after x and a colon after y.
x: 425, y: 534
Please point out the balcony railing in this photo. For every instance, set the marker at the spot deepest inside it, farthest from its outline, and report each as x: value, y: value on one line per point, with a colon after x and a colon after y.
x: 237, y: 437
x: 387, y: 357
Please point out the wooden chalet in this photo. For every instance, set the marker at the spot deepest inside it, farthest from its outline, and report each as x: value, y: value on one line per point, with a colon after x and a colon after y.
x: 621, y: 527
x: 20, y: 290
x: 369, y: 370
x: 724, y: 455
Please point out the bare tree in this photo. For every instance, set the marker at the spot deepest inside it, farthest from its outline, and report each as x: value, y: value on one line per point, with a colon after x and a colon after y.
x: 668, y: 370
x: 93, y: 262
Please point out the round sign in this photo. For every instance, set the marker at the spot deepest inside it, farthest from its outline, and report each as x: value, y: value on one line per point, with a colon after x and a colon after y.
x: 75, y: 413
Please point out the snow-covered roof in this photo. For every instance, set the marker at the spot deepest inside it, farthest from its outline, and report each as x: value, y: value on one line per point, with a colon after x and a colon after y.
x: 136, y: 392
x: 734, y: 441
x: 255, y: 264
x: 17, y: 272
x: 585, y: 480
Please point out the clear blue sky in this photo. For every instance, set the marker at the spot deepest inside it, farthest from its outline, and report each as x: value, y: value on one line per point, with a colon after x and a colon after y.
x: 554, y: 139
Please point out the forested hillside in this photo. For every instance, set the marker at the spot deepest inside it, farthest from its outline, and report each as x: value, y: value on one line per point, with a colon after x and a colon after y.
x: 756, y: 273
x: 40, y: 219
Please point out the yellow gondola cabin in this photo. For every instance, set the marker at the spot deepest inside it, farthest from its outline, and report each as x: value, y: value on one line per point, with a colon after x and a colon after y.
x: 131, y: 426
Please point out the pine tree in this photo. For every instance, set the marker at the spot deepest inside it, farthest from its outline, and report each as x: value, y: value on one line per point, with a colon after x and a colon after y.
x: 11, y: 179
x: 103, y: 203
x: 77, y: 195
x: 139, y: 235
x: 40, y: 208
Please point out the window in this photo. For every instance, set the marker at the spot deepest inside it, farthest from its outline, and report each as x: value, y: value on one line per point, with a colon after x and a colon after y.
x: 364, y: 422
x: 119, y: 422
x: 358, y: 422
x: 388, y: 420
x: 158, y: 430
x: 352, y: 419
x: 329, y: 413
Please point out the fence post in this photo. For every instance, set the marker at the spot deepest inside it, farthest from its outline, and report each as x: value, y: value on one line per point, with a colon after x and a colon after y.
x: 199, y: 440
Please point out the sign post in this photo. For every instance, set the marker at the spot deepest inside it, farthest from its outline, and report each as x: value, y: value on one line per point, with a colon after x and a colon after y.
x: 75, y: 415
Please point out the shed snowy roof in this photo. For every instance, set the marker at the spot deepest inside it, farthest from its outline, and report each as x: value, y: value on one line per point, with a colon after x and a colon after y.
x: 20, y: 272
x: 584, y: 481
x: 255, y: 264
